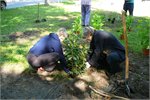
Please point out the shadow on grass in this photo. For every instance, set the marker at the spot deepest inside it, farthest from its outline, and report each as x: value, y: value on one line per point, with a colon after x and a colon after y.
x: 19, y: 29
x: 15, y: 45
x: 22, y: 19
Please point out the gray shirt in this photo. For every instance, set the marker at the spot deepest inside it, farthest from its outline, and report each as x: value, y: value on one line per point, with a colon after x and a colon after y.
x: 85, y: 2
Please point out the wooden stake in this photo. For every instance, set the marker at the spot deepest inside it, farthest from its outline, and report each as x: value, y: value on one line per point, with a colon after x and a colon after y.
x: 126, y: 46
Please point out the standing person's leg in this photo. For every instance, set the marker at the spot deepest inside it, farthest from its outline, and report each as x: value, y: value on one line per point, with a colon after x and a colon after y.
x: 83, y: 14
x: 131, y: 7
x: 114, y: 59
x: 125, y: 7
x: 87, y: 16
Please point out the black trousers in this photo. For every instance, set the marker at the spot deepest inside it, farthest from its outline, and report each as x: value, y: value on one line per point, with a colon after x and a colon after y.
x: 128, y: 7
x: 44, y: 60
x: 110, y: 62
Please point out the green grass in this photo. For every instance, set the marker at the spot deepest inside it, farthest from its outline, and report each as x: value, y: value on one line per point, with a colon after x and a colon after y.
x: 69, y: 2
x: 23, y: 19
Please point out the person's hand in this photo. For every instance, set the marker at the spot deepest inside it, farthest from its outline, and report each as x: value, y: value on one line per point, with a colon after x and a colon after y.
x: 41, y: 69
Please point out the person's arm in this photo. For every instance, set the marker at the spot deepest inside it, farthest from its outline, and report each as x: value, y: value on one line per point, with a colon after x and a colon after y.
x: 63, y: 64
x: 99, y: 39
x: 91, y: 49
x: 63, y: 61
x: 96, y: 46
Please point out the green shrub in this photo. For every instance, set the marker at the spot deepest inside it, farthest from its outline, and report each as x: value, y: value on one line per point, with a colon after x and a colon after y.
x: 129, y: 22
x: 75, y: 52
x: 97, y: 21
x: 76, y: 27
x: 143, y: 32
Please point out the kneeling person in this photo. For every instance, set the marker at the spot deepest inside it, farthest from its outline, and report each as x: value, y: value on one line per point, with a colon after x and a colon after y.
x: 105, y: 49
x: 46, y: 53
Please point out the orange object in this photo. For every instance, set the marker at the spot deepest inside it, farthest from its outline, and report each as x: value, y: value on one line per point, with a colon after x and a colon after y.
x: 122, y: 36
x: 146, y: 52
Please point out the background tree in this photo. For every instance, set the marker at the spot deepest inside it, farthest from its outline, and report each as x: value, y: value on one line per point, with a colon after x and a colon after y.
x: 46, y: 2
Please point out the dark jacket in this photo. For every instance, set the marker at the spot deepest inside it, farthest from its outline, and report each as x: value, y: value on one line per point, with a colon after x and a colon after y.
x: 104, y: 41
x: 48, y: 44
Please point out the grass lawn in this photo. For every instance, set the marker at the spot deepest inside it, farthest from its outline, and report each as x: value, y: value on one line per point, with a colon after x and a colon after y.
x: 22, y: 20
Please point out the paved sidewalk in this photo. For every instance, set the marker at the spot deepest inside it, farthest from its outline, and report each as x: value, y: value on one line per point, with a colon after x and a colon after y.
x: 141, y: 8
x: 17, y: 4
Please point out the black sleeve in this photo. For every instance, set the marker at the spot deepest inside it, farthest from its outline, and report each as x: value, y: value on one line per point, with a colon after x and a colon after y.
x: 99, y: 39
x: 91, y: 49
x: 96, y: 48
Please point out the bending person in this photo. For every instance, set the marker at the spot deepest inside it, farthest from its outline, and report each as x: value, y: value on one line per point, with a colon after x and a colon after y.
x: 105, y: 50
x: 48, y: 51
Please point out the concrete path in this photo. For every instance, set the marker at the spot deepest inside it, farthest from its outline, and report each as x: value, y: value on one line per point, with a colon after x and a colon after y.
x: 141, y: 8
x: 16, y: 4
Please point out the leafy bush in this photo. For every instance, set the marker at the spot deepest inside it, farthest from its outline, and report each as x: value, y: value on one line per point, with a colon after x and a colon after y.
x: 129, y: 22
x: 76, y: 27
x: 143, y: 32
x: 75, y: 51
x: 97, y: 21
x: 75, y: 47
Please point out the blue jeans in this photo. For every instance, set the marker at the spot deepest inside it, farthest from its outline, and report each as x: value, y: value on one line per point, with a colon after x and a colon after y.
x: 114, y: 59
x: 85, y: 11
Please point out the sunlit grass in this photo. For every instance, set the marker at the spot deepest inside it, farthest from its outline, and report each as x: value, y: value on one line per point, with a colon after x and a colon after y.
x: 13, y: 52
x: 22, y: 19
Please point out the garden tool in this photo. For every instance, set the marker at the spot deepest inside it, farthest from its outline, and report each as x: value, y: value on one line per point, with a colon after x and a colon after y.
x: 128, y: 90
x: 38, y: 16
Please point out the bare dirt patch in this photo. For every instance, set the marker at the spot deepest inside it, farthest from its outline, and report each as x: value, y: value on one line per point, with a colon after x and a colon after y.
x: 57, y: 85
x: 19, y: 35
